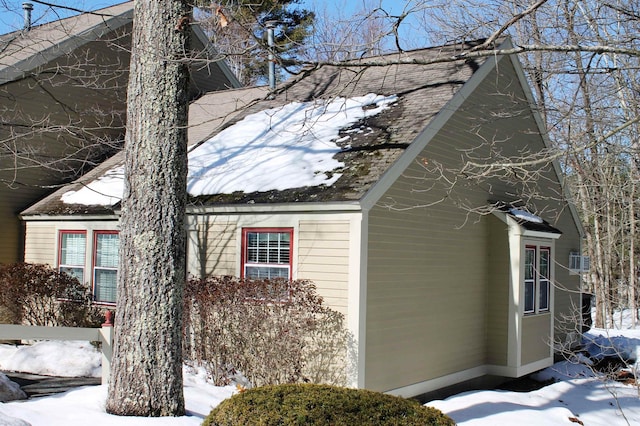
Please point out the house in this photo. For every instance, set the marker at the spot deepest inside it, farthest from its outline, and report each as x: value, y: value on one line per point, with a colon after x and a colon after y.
x: 62, y: 100
x: 382, y: 185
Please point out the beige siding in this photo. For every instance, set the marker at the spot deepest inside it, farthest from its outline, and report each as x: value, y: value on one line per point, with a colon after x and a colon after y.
x: 498, y: 293
x: 436, y: 286
x: 323, y: 257
x: 212, y: 246
x: 567, y: 285
x: 40, y: 243
x: 535, y: 340
x: 321, y: 247
x: 426, y: 296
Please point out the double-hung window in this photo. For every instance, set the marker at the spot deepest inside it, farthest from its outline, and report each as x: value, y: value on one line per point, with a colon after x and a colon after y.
x: 105, y: 266
x: 266, y: 253
x: 537, y: 279
x: 71, y: 257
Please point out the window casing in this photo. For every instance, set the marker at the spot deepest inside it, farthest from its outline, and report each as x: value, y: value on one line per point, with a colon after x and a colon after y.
x: 266, y: 253
x: 537, y: 279
x: 105, y: 265
x: 71, y: 256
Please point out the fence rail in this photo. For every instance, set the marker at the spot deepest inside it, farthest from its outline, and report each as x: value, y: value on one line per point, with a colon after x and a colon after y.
x: 104, y: 335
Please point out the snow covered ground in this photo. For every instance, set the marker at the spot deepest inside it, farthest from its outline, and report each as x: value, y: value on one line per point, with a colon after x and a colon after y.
x: 577, y: 396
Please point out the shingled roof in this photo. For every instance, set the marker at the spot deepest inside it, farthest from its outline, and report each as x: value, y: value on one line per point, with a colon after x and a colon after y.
x: 422, y: 92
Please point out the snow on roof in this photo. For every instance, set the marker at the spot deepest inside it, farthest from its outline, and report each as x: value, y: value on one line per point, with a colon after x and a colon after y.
x: 275, y: 149
x: 525, y: 215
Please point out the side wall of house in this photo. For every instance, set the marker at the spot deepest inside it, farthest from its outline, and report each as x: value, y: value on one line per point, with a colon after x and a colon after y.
x: 431, y: 276
x: 497, y: 292
x: 41, y: 238
x: 321, y: 248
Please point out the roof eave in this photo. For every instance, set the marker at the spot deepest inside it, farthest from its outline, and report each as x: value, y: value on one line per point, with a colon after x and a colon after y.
x: 22, y: 68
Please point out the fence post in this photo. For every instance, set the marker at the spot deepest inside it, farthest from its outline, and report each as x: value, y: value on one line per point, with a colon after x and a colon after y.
x: 106, y: 334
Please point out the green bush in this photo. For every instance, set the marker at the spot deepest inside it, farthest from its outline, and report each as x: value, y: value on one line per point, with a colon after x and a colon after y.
x: 36, y: 294
x: 308, y: 404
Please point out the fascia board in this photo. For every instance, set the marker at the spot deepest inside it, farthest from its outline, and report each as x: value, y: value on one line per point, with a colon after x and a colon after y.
x: 336, y: 207
x: 212, y: 51
x: 378, y: 190
x: 543, y: 133
x: 22, y: 68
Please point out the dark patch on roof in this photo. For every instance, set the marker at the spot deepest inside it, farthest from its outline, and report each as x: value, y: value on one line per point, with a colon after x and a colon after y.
x: 374, y: 143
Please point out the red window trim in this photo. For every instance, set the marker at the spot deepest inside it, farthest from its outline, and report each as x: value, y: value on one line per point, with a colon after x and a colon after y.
x: 93, y: 264
x: 243, y: 248
x: 70, y: 231
x: 536, y: 282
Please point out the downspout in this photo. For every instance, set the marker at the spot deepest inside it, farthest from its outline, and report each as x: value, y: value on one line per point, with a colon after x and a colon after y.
x: 27, y: 7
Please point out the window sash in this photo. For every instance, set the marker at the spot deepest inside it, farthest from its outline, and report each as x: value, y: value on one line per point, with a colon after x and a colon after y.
x: 267, y: 253
x: 105, y: 269
x: 72, y: 253
x: 537, y: 279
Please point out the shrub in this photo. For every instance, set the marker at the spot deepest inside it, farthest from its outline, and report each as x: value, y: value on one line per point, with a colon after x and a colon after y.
x: 270, y: 331
x: 36, y: 294
x: 306, y: 404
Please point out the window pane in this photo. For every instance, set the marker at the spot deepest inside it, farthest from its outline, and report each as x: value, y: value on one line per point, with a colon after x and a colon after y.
x: 544, y: 263
x: 78, y: 273
x: 268, y: 247
x: 543, y: 303
x: 529, y: 296
x: 107, y: 250
x: 73, y: 249
x: 266, y: 272
x: 105, y: 285
x: 529, y: 263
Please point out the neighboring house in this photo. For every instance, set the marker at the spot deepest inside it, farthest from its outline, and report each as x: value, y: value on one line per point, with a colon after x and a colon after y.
x: 62, y: 103
x: 352, y: 177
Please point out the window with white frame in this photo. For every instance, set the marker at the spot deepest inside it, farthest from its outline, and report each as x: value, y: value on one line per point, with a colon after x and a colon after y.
x: 537, y: 279
x: 266, y: 253
x: 105, y: 265
x: 71, y: 256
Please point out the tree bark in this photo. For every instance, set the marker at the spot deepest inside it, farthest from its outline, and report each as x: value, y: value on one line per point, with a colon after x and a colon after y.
x: 146, y: 379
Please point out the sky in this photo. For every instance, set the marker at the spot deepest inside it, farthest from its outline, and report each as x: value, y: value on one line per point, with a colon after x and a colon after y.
x: 11, y: 12
x: 575, y: 394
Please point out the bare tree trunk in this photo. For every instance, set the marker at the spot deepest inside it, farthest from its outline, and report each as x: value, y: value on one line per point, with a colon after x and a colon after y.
x: 146, y: 379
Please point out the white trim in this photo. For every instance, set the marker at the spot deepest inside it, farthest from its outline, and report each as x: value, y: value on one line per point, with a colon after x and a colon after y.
x: 311, y: 208
x: 103, y: 26
x: 70, y: 218
x: 526, y: 88
x: 540, y: 234
x: 377, y: 191
x: 356, y: 301
x: 470, y: 374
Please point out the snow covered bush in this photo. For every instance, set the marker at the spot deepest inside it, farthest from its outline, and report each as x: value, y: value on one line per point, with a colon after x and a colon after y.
x: 263, y: 331
x: 36, y: 294
x: 306, y: 404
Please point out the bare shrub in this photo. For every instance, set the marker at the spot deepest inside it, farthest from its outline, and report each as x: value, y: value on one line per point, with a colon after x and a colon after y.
x: 36, y: 294
x: 270, y: 331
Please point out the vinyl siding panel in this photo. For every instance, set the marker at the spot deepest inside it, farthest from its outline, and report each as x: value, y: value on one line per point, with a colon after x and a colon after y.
x: 323, y: 257
x: 40, y: 243
x: 213, y: 246
x: 535, y: 342
x: 498, y: 293
x: 437, y: 294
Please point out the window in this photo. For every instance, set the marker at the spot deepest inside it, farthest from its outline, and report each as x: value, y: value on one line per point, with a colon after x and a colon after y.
x: 537, y: 279
x: 71, y: 257
x: 105, y: 269
x: 266, y: 253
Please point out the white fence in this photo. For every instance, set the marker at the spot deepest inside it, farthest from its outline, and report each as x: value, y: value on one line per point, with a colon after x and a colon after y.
x: 103, y: 335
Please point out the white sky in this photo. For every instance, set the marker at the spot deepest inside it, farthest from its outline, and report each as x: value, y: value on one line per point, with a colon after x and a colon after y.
x: 576, y: 394
x: 276, y: 149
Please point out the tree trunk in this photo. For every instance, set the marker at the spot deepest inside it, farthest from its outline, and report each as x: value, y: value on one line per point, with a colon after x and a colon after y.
x: 146, y: 379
